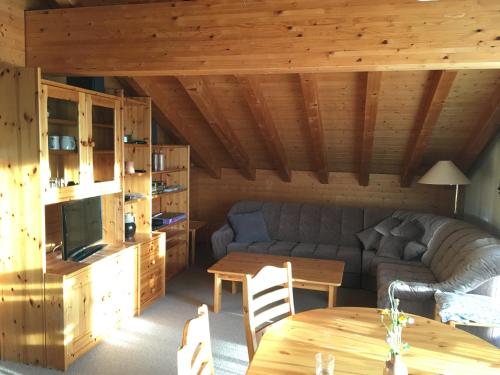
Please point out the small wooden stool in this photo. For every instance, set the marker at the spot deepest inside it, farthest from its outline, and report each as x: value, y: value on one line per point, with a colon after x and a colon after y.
x: 194, y: 225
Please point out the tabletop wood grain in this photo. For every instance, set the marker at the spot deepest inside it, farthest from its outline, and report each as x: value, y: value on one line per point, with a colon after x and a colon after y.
x: 356, y: 337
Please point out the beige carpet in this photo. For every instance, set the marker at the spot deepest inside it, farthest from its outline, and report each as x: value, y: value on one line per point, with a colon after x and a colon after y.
x: 148, y: 344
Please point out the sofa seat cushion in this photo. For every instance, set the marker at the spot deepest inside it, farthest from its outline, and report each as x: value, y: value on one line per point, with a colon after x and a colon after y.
x: 237, y: 247
x: 260, y: 247
x: 305, y: 250
x: 350, y: 255
x: 282, y: 248
x: 418, y: 276
x: 371, y: 261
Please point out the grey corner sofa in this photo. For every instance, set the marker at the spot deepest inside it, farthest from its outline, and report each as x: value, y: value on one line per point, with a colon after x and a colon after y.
x: 460, y: 258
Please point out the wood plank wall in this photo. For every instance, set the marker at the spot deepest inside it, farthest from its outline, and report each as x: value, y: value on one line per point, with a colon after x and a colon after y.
x: 12, y: 50
x: 22, y: 333
x: 212, y: 198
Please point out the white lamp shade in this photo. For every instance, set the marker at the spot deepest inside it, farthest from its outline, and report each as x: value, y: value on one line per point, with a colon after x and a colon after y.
x: 444, y: 173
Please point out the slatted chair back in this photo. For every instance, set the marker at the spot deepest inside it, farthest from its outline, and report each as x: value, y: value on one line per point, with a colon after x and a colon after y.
x: 267, y: 298
x: 194, y: 357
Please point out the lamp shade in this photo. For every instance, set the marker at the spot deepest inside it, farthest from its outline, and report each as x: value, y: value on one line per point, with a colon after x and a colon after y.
x: 444, y: 172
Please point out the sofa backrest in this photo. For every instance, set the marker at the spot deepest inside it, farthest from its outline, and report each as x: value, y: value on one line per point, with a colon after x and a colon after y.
x: 314, y: 223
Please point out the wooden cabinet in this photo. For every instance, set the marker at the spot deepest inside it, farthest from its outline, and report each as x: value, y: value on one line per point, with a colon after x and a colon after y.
x: 84, y: 301
x: 81, y: 147
x: 150, y: 269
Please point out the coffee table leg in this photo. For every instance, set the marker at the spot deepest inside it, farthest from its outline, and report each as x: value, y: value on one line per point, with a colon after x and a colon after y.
x: 234, y: 287
x: 217, y: 292
x: 332, y: 296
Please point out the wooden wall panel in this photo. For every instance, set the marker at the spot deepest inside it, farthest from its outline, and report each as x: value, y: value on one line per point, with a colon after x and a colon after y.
x: 12, y: 32
x: 342, y: 97
x: 460, y: 113
x: 283, y: 95
x: 237, y: 37
x: 21, y: 218
x: 230, y: 98
x: 399, y: 103
x: 211, y: 199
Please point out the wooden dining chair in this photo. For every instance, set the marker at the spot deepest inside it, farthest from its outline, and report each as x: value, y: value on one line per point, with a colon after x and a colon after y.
x: 194, y: 357
x: 267, y: 298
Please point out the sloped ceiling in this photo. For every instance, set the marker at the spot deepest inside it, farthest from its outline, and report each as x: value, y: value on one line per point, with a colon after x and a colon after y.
x: 341, y: 97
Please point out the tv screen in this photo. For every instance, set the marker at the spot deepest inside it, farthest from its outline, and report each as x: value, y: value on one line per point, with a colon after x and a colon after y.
x: 82, y: 225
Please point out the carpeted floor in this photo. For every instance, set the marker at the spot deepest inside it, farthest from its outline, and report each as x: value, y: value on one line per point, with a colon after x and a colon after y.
x: 148, y: 344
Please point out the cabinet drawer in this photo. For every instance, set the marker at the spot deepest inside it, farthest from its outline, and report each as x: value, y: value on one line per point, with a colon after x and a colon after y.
x: 150, y: 249
x: 151, y: 284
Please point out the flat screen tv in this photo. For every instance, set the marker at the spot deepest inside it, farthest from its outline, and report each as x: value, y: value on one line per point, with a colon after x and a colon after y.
x: 82, y: 225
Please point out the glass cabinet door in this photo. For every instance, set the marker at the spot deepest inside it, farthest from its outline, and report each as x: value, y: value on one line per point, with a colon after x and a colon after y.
x: 64, y: 130
x: 104, y: 138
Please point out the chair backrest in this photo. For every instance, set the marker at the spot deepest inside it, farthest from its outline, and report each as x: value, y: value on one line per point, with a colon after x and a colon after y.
x: 267, y: 296
x: 194, y: 357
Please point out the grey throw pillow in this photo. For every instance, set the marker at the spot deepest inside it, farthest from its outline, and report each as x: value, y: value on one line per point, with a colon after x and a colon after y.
x: 391, y: 247
x: 408, y: 229
x: 369, y: 238
x: 414, y: 251
x: 249, y: 227
x: 386, y: 225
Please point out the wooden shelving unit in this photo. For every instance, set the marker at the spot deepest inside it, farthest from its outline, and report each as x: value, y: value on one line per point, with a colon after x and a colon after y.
x: 176, y: 172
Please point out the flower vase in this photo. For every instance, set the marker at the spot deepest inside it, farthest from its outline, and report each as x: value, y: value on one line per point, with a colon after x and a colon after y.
x: 395, y: 366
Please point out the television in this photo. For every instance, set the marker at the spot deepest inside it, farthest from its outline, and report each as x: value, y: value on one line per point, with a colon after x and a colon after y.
x: 82, y: 227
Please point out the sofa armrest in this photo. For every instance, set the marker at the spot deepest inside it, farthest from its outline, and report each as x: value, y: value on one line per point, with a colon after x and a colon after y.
x: 220, y: 239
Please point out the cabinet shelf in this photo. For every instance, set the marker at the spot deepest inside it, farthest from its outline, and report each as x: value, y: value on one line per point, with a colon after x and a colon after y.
x: 60, y: 121
x: 169, y: 192
x: 170, y: 170
x: 140, y: 145
x: 137, y: 174
x: 161, y: 228
x: 63, y: 152
x: 104, y: 126
x: 103, y: 151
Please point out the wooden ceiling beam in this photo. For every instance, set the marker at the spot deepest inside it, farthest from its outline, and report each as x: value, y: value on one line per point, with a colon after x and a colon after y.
x: 201, y: 94
x: 265, y: 124
x: 314, y: 122
x: 483, y: 131
x: 373, y: 80
x: 254, y: 37
x: 431, y: 106
x: 165, y: 115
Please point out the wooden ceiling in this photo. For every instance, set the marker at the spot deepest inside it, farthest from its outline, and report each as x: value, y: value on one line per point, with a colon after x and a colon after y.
x: 359, y: 86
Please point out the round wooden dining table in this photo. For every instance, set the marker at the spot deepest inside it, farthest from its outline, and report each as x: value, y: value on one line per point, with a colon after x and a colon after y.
x: 356, y: 337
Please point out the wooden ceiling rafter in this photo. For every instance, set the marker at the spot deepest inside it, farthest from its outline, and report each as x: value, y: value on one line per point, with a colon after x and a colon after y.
x: 484, y: 130
x: 372, y: 91
x: 431, y: 106
x: 314, y: 123
x: 165, y: 114
x: 199, y: 91
x: 265, y: 124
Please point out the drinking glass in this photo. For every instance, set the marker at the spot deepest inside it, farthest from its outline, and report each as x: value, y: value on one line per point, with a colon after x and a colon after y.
x: 325, y: 364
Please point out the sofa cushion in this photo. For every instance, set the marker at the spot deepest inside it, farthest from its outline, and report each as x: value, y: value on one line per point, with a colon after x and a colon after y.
x: 414, y: 251
x: 310, y: 223
x: 282, y: 248
x: 373, y: 216
x: 326, y: 251
x: 331, y: 225
x: 260, y: 247
x: 386, y: 225
x: 391, y: 247
x: 409, y: 230
x: 241, y: 247
x: 305, y: 250
x: 370, y: 238
x: 352, y: 258
x: 371, y: 261
x: 352, y: 223
x: 249, y: 227
x: 289, y: 222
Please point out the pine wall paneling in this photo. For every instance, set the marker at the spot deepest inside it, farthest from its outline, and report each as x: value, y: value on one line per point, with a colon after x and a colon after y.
x: 12, y: 32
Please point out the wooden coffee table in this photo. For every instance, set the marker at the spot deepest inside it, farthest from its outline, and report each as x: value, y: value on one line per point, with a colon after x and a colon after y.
x: 313, y: 274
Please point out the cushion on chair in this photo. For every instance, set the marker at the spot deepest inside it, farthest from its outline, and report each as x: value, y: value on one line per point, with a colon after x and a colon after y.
x: 249, y: 227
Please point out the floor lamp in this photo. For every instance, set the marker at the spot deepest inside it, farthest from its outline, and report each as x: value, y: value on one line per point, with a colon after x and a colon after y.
x: 444, y: 172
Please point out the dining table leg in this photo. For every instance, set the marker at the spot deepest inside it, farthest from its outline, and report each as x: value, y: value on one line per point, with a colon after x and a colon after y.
x: 332, y: 296
x: 217, y: 292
